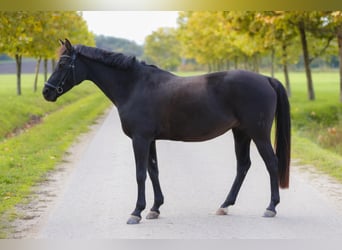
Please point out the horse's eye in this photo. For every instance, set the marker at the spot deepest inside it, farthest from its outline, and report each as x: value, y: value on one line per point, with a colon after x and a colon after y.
x: 62, y: 64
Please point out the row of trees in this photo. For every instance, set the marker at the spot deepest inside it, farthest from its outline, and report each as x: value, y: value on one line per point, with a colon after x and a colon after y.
x: 163, y: 48
x: 218, y: 39
x: 35, y: 34
x: 240, y: 38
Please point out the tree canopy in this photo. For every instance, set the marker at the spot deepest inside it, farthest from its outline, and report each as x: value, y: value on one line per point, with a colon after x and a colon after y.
x: 36, y: 34
x: 162, y: 48
x: 216, y: 38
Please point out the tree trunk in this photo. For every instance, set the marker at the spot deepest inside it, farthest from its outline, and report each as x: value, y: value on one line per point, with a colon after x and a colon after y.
x: 236, y: 62
x: 272, y: 61
x: 256, y: 63
x: 246, y: 62
x: 53, y: 64
x: 287, y: 79
x: 339, y: 40
x: 45, y: 69
x: 36, y: 76
x: 286, y: 70
x: 311, y: 92
x: 18, y: 59
x: 228, y: 65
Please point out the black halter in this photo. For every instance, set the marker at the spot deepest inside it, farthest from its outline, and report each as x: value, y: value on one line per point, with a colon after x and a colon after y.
x: 59, y: 87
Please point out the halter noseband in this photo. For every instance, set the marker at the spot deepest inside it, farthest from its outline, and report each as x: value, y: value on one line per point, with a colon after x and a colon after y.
x: 59, y: 87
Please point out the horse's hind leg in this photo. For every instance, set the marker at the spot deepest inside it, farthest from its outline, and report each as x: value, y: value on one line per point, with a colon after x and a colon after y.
x: 242, y: 149
x: 266, y: 151
x: 154, y: 173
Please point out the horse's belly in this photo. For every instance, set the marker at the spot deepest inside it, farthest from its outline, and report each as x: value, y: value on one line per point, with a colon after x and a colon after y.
x: 204, y: 135
x: 198, y: 129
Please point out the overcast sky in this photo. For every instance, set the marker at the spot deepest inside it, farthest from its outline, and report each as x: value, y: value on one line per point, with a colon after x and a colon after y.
x: 132, y: 25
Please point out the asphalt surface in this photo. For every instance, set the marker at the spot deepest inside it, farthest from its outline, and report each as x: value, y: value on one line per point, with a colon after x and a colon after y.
x: 100, y: 193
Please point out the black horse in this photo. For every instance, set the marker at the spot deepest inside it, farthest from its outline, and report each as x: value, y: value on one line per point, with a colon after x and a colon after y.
x: 155, y: 104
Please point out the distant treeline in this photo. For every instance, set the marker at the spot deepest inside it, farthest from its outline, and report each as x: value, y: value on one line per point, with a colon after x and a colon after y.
x: 119, y: 45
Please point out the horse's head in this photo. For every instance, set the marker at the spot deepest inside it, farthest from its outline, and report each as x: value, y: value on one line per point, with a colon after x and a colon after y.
x: 66, y: 75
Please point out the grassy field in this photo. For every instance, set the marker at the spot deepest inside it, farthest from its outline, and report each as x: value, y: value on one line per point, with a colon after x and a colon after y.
x: 319, y: 120
x: 317, y: 125
x: 16, y: 111
x: 26, y: 158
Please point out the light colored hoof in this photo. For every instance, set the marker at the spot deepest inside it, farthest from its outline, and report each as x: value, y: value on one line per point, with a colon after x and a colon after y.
x: 222, y: 211
x: 269, y: 214
x: 133, y: 220
x: 152, y: 215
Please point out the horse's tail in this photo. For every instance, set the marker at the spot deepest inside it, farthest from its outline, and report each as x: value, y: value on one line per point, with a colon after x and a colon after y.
x: 283, y: 133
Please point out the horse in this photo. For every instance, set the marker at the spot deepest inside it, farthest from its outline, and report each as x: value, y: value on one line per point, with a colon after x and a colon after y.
x: 154, y: 104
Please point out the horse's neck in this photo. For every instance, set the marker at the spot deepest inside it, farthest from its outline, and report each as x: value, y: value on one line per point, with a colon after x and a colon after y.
x: 115, y: 84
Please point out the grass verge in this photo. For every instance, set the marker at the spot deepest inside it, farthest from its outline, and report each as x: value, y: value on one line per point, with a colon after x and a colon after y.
x: 16, y: 111
x: 25, y: 159
x: 306, y: 152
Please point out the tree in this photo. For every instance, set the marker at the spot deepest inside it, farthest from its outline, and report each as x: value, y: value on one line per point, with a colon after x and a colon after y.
x: 59, y: 25
x: 197, y: 37
x: 279, y: 36
x: 334, y: 20
x: 36, y: 34
x: 16, y: 29
x: 207, y: 37
x: 248, y: 36
x: 313, y: 23
x: 213, y: 37
x: 162, y: 48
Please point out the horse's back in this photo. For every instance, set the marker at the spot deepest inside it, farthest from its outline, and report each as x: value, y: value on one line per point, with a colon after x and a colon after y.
x: 241, y: 90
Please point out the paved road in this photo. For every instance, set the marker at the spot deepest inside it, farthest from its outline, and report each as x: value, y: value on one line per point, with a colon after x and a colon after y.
x: 101, y: 192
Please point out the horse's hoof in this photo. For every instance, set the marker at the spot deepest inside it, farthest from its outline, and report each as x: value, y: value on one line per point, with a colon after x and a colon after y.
x: 133, y: 220
x: 152, y: 215
x: 269, y: 214
x: 222, y: 211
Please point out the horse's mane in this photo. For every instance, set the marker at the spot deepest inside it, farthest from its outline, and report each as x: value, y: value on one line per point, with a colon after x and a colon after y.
x: 106, y: 57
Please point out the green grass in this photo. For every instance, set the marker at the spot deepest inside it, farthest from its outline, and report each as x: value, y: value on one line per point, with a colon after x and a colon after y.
x: 308, y: 152
x: 26, y: 158
x: 16, y: 111
x: 325, y: 109
x: 317, y: 125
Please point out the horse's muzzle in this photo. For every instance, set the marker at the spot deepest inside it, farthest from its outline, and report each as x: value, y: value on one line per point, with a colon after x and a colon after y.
x: 49, y: 94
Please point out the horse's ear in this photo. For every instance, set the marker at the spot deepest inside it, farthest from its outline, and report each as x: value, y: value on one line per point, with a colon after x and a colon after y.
x: 61, y: 42
x: 68, y: 45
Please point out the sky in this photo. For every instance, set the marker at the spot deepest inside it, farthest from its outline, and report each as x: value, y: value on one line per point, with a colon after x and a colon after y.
x: 132, y: 25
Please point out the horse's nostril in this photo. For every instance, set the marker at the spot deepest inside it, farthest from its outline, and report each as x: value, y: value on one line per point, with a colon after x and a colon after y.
x: 45, y: 91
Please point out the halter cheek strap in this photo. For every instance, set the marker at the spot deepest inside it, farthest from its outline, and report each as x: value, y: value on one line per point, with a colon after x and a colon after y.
x: 59, y: 86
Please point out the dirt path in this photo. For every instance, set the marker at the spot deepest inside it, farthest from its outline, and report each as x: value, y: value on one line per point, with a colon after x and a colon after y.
x: 91, y: 195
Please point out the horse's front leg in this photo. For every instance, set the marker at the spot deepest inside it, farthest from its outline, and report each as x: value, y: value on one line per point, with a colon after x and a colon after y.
x: 141, y: 147
x: 154, y: 173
